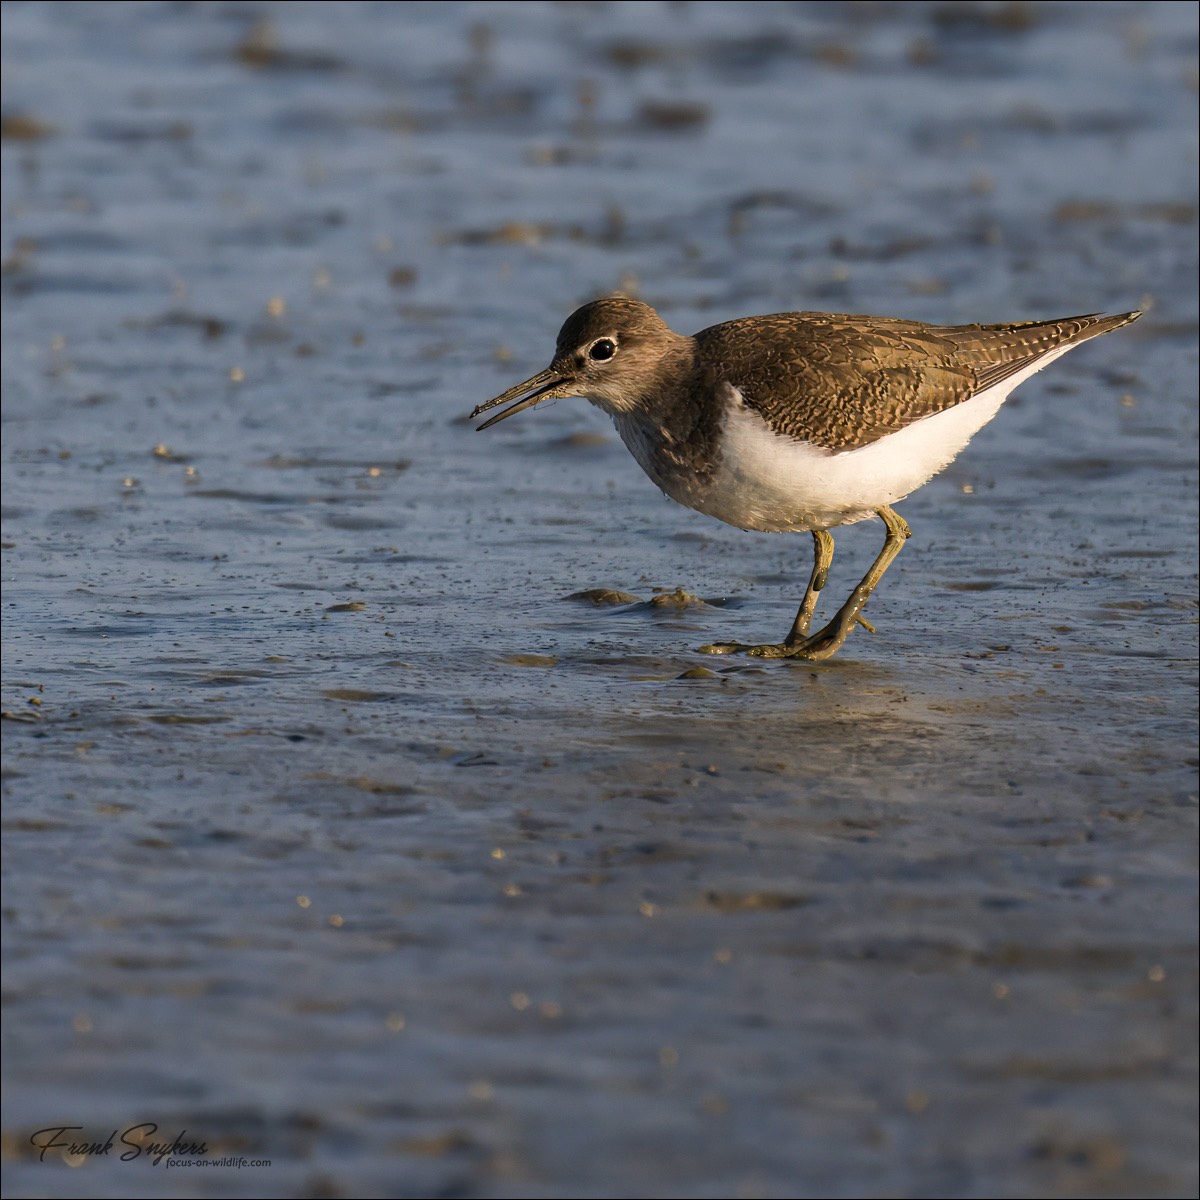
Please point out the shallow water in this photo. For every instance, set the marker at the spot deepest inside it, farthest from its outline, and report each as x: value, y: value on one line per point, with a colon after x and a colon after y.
x: 343, y: 832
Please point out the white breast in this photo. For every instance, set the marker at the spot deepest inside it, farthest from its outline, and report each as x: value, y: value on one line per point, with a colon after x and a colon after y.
x: 769, y: 481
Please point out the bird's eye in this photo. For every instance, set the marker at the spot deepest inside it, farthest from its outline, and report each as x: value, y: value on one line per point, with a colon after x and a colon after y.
x: 602, y: 350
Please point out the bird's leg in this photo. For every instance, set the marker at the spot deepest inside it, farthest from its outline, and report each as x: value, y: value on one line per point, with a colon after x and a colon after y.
x: 822, y: 558
x: 828, y: 641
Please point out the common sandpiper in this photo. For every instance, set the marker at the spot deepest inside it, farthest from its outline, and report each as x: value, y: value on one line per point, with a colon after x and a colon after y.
x: 796, y: 422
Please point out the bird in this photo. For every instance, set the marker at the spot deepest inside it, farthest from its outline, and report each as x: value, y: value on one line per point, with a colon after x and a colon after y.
x: 795, y: 422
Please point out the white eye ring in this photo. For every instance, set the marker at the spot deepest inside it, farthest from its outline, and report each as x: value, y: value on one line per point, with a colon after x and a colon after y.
x: 602, y: 349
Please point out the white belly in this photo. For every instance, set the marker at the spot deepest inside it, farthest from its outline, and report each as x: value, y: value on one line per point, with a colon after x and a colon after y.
x: 768, y: 481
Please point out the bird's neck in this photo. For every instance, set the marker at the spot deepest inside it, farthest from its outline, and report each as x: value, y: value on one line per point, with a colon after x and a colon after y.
x: 676, y: 423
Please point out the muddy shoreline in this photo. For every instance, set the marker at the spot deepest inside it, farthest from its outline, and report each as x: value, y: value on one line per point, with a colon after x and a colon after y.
x: 345, y: 830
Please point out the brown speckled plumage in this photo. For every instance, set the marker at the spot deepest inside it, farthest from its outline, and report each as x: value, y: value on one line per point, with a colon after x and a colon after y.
x: 842, y: 382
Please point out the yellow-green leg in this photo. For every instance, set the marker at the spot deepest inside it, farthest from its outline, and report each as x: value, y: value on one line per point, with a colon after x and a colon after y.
x: 822, y: 560
x: 828, y: 641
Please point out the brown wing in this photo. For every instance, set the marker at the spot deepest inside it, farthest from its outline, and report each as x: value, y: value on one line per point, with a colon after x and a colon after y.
x: 843, y: 382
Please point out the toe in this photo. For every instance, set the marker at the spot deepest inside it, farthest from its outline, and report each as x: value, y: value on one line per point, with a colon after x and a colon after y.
x: 775, y: 651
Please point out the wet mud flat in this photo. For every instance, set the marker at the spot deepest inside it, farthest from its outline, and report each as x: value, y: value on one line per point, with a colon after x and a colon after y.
x: 368, y: 809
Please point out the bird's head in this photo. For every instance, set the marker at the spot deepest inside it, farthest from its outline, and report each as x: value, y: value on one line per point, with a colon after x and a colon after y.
x: 612, y: 352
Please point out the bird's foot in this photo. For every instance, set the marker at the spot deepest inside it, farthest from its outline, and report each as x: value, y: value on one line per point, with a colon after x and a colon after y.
x: 770, y: 650
x: 773, y: 650
x: 726, y: 648
x: 823, y: 644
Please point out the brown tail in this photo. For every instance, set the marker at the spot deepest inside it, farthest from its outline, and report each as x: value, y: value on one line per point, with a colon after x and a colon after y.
x: 997, y: 351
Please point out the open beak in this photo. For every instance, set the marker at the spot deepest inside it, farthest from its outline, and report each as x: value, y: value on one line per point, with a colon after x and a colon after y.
x: 544, y: 386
